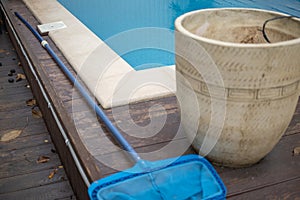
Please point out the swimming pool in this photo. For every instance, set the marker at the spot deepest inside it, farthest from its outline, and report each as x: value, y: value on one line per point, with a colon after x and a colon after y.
x: 112, y: 79
x: 107, y: 18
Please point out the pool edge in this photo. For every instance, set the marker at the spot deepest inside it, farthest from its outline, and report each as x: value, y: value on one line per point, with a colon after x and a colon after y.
x: 104, y: 84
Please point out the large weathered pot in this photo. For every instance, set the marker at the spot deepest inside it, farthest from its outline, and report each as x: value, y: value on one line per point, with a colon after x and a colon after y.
x: 224, y: 50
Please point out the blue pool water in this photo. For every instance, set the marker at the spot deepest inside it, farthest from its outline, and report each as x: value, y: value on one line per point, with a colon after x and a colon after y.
x: 110, y: 19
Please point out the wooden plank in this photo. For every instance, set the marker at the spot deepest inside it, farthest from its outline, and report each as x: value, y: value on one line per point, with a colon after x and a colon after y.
x: 7, y: 99
x: 25, y: 142
x: 9, y: 71
x: 279, y: 165
x: 99, y: 143
x: 4, y: 82
x: 86, y: 123
x: 27, y: 166
x: 16, y: 113
x: 45, y: 192
x: 6, y: 71
x: 117, y: 161
x: 32, y: 127
x: 68, y: 198
x: 14, y: 101
x: 5, y: 74
x: 31, y: 153
x: 11, y: 89
x: 5, y: 68
x: 93, y: 131
x: 27, y: 181
x: 9, y: 62
x: 298, y: 107
x: 285, y: 190
x: 294, y: 126
x: 19, y: 123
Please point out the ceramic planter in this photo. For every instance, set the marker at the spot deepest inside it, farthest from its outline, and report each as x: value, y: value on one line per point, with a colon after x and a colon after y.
x: 259, y: 80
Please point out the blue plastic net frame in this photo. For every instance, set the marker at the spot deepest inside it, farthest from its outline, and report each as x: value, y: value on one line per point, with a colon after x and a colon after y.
x: 186, y: 177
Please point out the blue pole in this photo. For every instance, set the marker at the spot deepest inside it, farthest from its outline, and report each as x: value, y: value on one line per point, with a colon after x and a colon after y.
x: 100, y: 113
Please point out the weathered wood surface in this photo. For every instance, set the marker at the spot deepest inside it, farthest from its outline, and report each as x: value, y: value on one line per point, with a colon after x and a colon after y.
x: 59, y: 89
x: 273, y: 177
x: 21, y: 176
x: 282, y: 190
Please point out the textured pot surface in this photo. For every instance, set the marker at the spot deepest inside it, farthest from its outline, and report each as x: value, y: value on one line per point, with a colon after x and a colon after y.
x: 260, y: 81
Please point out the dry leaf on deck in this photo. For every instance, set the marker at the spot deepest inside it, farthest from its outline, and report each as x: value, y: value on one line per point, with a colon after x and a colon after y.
x: 296, y: 151
x: 2, y: 50
x: 43, y: 159
x: 20, y: 77
x: 36, y: 113
x: 11, y: 135
x: 31, y: 102
x: 51, y: 175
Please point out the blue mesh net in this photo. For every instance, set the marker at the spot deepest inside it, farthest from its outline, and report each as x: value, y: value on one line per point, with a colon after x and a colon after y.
x: 187, y: 177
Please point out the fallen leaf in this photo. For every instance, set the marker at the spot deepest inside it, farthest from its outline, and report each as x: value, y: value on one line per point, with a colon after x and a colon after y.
x: 296, y: 151
x: 11, y: 135
x: 2, y: 50
x: 60, y: 167
x: 20, y: 77
x: 36, y: 113
x: 52, y: 173
x: 43, y: 159
x: 31, y: 102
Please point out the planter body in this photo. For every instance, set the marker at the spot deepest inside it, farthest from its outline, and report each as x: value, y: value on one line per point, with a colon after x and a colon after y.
x: 260, y: 81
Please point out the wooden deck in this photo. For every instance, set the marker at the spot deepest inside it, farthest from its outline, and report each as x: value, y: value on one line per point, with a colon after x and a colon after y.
x: 276, y: 177
x: 21, y: 175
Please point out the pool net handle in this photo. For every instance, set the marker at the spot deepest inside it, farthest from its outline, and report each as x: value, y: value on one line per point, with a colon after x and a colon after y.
x: 100, y: 113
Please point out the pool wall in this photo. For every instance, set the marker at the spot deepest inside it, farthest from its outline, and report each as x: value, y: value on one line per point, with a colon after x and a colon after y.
x: 111, y: 84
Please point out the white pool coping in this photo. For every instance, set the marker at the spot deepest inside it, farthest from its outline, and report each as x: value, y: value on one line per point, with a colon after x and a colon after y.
x: 117, y: 85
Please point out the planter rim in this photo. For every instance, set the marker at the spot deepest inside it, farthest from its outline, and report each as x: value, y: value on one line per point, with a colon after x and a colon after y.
x: 183, y: 30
